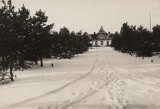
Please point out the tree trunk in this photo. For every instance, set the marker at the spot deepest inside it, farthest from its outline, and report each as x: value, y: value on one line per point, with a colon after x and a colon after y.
x: 41, y: 59
x: 11, y: 69
x: 22, y: 63
x: 36, y: 62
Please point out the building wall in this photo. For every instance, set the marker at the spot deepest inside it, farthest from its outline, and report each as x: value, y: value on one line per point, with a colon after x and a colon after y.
x: 101, y: 43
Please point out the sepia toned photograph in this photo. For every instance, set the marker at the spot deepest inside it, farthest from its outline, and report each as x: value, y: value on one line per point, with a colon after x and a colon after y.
x: 79, y: 54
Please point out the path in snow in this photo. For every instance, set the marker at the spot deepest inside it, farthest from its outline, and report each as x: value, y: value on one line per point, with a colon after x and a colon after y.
x: 102, y: 76
x: 99, y: 79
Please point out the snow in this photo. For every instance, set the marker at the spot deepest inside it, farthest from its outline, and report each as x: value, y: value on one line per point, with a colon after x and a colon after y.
x: 99, y: 79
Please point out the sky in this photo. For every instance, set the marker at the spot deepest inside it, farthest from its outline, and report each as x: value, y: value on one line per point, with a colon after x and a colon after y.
x: 90, y: 15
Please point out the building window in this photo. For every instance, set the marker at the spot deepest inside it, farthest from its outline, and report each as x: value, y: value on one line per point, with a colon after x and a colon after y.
x: 107, y: 42
x: 101, y: 42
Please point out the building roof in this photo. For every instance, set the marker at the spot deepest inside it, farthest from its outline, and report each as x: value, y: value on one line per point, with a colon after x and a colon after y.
x: 101, y: 35
x: 101, y: 30
x: 93, y: 36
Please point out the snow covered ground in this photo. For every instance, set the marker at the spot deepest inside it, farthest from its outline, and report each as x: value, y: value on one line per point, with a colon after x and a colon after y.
x: 99, y: 79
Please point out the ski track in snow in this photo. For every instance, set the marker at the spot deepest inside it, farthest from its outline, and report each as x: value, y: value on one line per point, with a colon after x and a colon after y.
x: 54, y: 91
x: 110, y: 79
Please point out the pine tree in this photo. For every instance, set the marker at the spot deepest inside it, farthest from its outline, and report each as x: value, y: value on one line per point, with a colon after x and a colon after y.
x: 40, y: 35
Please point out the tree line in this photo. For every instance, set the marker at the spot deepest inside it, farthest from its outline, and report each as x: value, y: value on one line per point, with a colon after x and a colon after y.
x: 137, y: 40
x: 29, y: 38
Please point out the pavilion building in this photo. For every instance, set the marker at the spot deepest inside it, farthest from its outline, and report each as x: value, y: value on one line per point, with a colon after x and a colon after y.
x: 101, y: 39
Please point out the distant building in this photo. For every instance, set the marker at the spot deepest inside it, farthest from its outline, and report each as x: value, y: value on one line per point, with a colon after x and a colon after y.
x: 101, y: 39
